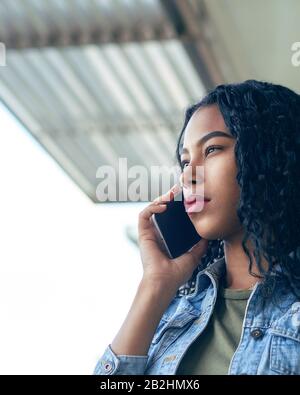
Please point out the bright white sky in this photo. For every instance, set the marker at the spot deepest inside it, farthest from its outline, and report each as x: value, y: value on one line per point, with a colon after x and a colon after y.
x: 68, y: 274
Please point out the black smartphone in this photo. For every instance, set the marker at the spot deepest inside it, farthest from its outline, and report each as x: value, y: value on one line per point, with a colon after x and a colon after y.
x: 175, y: 229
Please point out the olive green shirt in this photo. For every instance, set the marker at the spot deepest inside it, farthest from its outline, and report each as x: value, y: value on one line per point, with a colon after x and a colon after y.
x: 213, y: 350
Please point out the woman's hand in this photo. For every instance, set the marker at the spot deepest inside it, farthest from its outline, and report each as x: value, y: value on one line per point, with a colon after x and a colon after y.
x: 157, y: 265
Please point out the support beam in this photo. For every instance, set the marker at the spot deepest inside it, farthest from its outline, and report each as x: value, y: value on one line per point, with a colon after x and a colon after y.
x: 189, y: 25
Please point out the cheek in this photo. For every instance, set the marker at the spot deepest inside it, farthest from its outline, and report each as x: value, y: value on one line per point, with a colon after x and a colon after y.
x: 224, y: 192
x: 219, y: 218
x: 222, y: 183
x: 229, y: 192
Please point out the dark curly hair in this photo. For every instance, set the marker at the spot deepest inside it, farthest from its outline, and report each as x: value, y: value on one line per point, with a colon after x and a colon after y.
x: 264, y: 118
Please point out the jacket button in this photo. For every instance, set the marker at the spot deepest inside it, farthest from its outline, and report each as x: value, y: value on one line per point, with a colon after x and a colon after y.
x: 108, y: 367
x: 256, y: 333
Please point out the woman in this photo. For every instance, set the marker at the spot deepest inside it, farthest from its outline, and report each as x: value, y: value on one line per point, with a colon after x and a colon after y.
x: 231, y: 304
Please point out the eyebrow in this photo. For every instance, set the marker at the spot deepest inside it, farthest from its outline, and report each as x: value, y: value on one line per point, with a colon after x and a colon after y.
x: 216, y: 133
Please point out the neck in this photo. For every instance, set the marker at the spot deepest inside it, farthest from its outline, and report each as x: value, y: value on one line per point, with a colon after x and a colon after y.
x: 237, y: 264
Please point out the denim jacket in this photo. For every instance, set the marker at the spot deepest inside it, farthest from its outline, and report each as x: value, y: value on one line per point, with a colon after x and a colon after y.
x: 269, y: 342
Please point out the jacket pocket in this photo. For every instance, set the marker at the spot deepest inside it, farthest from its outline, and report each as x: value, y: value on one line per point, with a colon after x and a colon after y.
x: 166, y: 335
x: 285, y: 353
x: 179, y: 322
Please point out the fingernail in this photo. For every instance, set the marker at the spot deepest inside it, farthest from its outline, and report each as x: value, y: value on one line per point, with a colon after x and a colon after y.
x: 176, y: 188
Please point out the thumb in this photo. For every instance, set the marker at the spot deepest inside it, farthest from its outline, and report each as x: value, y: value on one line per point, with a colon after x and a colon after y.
x: 190, y: 259
x: 198, y: 250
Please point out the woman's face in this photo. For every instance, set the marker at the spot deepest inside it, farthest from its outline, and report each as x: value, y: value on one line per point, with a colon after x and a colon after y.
x: 216, y: 176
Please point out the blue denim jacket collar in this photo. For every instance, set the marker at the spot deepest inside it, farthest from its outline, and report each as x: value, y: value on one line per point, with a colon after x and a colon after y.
x: 205, y: 290
x: 215, y: 272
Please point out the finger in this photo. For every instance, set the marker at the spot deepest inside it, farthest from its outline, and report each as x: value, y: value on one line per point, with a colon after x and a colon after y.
x: 168, y: 196
x: 144, y: 216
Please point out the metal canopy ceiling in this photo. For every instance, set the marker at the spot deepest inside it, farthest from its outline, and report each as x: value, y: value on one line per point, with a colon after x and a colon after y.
x: 99, y: 80
x: 64, y: 22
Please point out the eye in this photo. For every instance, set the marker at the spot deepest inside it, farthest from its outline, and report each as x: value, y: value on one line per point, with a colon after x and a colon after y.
x: 207, y: 151
x: 211, y: 147
x: 183, y: 163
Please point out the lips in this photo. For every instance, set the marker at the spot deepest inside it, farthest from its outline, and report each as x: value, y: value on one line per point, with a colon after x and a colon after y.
x: 192, y: 198
x: 194, y: 203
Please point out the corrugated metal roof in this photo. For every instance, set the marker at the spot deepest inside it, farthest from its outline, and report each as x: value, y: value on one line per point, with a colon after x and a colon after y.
x: 34, y: 22
x: 90, y: 104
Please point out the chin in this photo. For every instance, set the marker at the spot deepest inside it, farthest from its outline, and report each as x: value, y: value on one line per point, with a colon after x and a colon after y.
x: 208, y: 233
x: 211, y: 228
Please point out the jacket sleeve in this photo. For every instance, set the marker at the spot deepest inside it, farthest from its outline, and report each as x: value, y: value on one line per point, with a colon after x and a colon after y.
x: 112, y: 364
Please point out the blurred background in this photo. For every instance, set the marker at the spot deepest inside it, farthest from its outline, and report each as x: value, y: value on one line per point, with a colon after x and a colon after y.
x: 84, y: 83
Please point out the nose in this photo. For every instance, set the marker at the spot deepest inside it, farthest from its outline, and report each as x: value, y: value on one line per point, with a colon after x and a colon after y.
x: 192, y: 175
